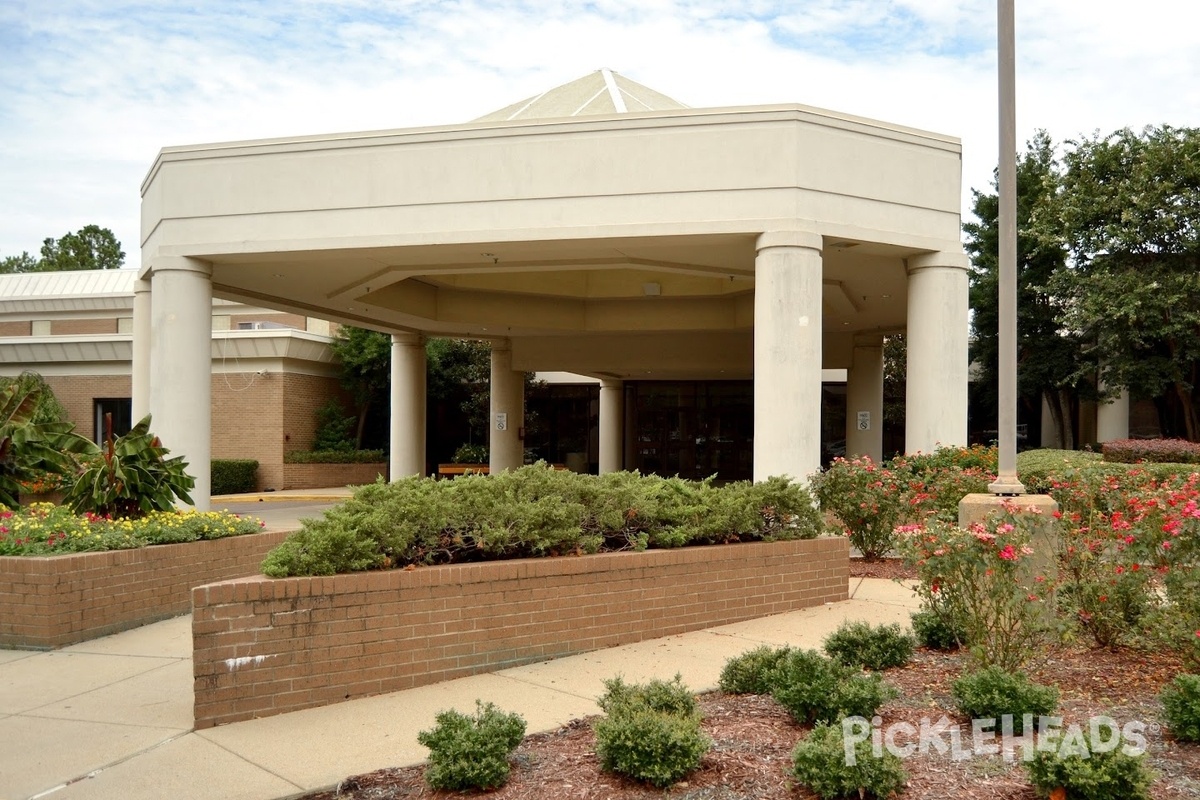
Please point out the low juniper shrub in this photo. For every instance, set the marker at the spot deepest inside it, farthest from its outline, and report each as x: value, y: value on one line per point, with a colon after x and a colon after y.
x: 821, y: 763
x: 814, y: 688
x: 1181, y: 707
x: 650, y: 733
x: 937, y: 632
x: 860, y: 644
x: 471, y: 752
x: 992, y: 693
x: 1090, y: 771
x: 750, y: 673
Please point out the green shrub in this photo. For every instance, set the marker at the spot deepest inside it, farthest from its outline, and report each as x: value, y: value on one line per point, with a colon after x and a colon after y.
x: 471, y: 752
x: 820, y: 762
x: 860, y: 644
x: 333, y: 457
x: 650, y: 746
x: 537, y: 511
x: 1038, y: 469
x: 816, y: 689
x: 1160, y: 451
x: 1181, y: 707
x: 1097, y: 774
x: 992, y: 693
x: 651, y: 732
x: 29, y: 446
x: 937, y: 633
x: 335, y: 429
x: 750, y: 673
x: 667, y: 697
x: 976, y: 457
x: 233, y: 475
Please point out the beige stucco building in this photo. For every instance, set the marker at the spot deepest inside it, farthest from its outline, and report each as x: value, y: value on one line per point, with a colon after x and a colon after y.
x: 600, y: 228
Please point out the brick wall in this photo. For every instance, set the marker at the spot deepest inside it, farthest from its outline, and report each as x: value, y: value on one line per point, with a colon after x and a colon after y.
x: 59, y: 600
x: 262, y: 417
x: 82, y: 327
x: 264, y: 647
x: 317, y: 476
x: 21, y: 328
x: 77, y: 393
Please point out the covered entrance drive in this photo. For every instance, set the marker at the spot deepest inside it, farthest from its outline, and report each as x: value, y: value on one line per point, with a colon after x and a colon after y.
x: 634, y: 241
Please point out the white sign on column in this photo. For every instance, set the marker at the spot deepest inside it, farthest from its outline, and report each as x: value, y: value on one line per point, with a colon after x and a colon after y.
x: 864, y: 420
x: 501, y: 421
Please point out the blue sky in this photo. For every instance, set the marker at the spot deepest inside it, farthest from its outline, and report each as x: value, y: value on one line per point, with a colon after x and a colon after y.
x: 90, y: 90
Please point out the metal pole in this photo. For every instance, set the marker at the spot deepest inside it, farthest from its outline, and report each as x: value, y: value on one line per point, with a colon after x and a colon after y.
x: 1006, y: 479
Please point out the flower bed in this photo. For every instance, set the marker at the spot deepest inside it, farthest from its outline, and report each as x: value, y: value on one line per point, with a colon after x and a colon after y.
x: 53, y: 601
x: 263, y: 646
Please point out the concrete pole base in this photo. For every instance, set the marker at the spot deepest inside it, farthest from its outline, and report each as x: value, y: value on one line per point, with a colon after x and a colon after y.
x: 1044, y: 562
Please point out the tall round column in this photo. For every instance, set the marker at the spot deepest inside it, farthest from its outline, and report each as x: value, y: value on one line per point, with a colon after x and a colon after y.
x: 936, y: 401
x: 181, y: 363
x: 864, y: 403
x: 407, y: 456
x: 612, y: 425
x: 1112, y: 418
x: 141, y: 348
x: 787, y: 355
x: 506, y: 421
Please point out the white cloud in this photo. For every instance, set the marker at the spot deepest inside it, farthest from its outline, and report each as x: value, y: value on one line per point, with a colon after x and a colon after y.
x: 91, y: 89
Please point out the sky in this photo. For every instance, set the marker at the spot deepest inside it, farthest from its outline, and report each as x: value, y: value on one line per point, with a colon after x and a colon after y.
x: 91, y: 90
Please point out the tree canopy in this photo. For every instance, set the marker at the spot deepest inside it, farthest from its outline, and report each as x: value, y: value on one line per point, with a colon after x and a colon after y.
x: 1128, y: 212
x: 1108, y: 259
x: 91, y: 247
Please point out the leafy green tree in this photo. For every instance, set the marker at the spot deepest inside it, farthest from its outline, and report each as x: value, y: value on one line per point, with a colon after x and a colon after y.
x: 365, y: 356
x: 1129, y: 207
x: 10, y: 265
x: 1050, y: 365
x: 91, y: 247
x: 48, y: 408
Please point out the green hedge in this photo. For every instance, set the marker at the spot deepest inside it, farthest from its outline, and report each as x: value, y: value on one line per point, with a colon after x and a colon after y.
x: 1037, y: 469
x: 233, y: 475
x: 537, y: 511
x: 333, y: 457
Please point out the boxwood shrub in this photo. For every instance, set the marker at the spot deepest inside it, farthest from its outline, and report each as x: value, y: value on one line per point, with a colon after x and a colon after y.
x: 537, y: 511
x: 233, y: 475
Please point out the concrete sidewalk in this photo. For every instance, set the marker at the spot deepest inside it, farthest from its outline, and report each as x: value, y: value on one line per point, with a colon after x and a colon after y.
x: 112, y: 717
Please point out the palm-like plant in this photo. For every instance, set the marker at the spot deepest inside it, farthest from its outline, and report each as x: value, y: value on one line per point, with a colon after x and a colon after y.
x: 133, y: 476
x: 26, y: 445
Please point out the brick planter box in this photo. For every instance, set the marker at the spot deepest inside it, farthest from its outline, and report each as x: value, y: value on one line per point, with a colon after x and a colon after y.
x: 321, y: 476
x: 264, y: 646
x: 53, y: 601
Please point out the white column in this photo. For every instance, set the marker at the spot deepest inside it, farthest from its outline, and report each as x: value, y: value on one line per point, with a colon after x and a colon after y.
x: 612, y: 425
x: 506, y: 450
x: 141, y: 348
x: 787, y: 355
x: 936, y: 403
x: 1112, y: 418
x: 1050, y: 437
x: 864, y: 403
x: 407, y: 456
x: 181, y: 363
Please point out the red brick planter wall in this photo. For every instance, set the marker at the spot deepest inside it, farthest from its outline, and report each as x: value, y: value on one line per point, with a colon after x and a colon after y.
x: 54, y: 601
x: 264, y: 646
x: 320, y: 476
